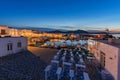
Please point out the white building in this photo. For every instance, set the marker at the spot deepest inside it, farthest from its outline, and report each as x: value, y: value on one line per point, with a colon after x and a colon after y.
x: 4, y: 31
x: 107, y: 52
x: 14, y: 32
x: 11, y: 45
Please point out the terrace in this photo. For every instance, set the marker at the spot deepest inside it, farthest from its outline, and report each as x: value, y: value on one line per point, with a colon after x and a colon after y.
x: 67, y: 64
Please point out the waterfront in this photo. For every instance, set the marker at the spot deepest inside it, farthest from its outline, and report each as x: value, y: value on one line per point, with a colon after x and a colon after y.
x: 116, y: 35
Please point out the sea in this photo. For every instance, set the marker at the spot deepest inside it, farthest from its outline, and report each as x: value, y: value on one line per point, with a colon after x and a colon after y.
x: 116, y: 35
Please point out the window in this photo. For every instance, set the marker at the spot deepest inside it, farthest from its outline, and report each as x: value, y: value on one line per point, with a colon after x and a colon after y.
x: 9, y: 46
x: 19, y: 44
x: 102, y: 59
x: 3, y: 32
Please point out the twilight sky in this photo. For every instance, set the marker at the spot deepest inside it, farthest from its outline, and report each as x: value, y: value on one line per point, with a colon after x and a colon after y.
x: 73, y: 14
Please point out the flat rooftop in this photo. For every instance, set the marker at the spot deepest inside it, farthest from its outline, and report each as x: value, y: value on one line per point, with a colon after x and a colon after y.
x: 12, y: 37
x: 45, y: 54
x: 110, y: 43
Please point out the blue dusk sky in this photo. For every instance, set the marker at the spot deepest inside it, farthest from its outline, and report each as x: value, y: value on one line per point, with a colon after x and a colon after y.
x: 61, y: 14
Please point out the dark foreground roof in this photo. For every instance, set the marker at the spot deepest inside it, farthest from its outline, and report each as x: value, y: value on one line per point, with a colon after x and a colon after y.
x: 21, y: 66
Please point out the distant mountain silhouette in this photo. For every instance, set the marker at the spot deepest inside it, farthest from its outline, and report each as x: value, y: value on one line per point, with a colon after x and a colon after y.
x: 96, y: 32
x: 39, y: 29
x: 57, y: 31
x: 51, y: 30
x: 68, y: 32
x: 35, y: 28
x: 78, y: 32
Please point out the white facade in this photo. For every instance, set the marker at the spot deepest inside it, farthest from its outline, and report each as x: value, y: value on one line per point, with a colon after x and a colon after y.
x: 4, y: 31
x: 108, y: 54
x: 11, y: 45
x: 14, y: 32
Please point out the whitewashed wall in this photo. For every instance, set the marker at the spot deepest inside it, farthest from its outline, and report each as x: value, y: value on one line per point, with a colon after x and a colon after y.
x: 119, y: 66
x: 5, y: 28
x: 111, y: 65
x: 14, y: 32
x: 14, y: 40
